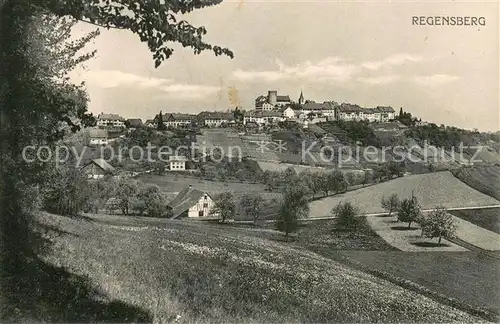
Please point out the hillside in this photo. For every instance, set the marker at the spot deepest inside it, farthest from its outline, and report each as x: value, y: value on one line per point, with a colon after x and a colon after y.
x: 485, y: 179
x: 194, y: 272
x: 431, y: 190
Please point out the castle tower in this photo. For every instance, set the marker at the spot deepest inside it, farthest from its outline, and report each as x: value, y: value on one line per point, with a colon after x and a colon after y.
x: 272, y: 97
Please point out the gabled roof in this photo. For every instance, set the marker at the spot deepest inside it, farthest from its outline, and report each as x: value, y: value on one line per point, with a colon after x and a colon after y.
x: 350, y: 108
x: 178, y: 116
x: 103, y: 164
x: 385, y: 109
x: 149, y: 121
x: 134, y: 122
x: 317, y: 106
x: 104, y: 116
x: 98, y: 133
x: 186, y: 199
x: 283, y: 98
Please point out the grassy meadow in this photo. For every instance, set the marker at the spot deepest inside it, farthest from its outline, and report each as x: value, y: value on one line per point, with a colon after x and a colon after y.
x: 196, y: 272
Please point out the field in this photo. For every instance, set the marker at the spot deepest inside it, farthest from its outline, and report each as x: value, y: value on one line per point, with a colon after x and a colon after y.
x: 488, y: 218
x: 484, y: 178
x: 431, y: 190
x: 194, y: 272
x: 175, y: 183
x: 464, y: 275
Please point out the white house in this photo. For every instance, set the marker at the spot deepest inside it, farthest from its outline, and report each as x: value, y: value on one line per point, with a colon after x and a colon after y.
x: 177, y: 163
x: 110, y: 120
x: 97, y: 136
x: 288, y: 113
x: 215, y: 118
x: 192, y: 203
x: 263, y: 117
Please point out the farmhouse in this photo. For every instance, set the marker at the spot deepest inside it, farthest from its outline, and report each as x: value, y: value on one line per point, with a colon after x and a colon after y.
x: 97, y: 169
x: 191, y: 203
x: 97, y: 136
x: 177, y: 163
x: 110, y: 120
x: 215, y: 118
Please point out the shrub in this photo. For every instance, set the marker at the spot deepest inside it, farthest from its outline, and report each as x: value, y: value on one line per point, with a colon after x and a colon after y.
x: 67, y: 192
x: 345, y: 216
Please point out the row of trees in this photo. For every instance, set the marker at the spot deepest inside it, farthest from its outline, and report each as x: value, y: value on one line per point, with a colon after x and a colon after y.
x: 436, y: 224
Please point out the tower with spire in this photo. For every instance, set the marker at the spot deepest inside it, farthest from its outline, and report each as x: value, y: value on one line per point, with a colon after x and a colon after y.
x: 301, y: 98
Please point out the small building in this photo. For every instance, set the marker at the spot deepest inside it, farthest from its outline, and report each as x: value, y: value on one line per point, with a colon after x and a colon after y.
x: 191, y: 203
x: 177, y: 163
x: 288, y: 112
x: 97, y: 136
x: 110, y: 120
x: 175, y: 120
x: 134, y: 123
x: 150, y: 123
x: 97, y: 169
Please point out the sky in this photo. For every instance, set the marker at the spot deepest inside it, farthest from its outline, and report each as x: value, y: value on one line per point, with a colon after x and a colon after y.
x: 367, y: 53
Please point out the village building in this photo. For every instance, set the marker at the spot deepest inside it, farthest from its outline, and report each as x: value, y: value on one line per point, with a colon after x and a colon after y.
x: 263, y: 117
x: 133, y: 123
x: 150, y: 123
x: 97, y: 136
x: 215, y: 118
x: 176, y: 120
x: 177, y: 163
x: 288, y: 112
x: 110, y: 120
x: 97, y: 169
x: 324, y: 109
x: 191, y: 203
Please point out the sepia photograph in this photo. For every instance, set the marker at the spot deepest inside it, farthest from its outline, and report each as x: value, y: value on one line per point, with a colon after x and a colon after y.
x: 249, y: 161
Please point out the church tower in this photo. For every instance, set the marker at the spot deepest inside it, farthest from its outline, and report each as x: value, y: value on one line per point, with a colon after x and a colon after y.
x: 301, y: 98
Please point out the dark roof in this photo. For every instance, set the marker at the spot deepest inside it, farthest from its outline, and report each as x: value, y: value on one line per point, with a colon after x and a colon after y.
x: 110, y: 116
x: 348, y: 108
x: 178, y: 116
x: 149, y: 121
x: 134, y: 122
x: 103, y: 164
x: 317, y: 106
x: 186, y: 199
x: 283, y: 98
x: 385, y: 109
